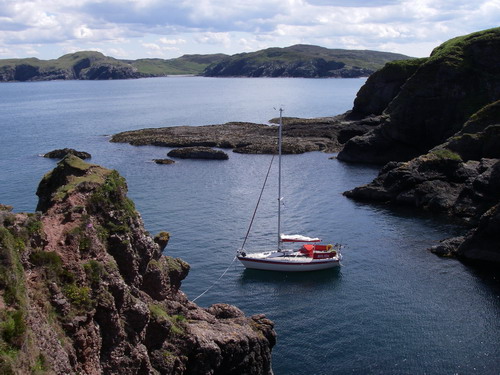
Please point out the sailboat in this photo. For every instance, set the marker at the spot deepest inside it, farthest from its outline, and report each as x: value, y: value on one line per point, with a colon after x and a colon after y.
x: 309, y: 256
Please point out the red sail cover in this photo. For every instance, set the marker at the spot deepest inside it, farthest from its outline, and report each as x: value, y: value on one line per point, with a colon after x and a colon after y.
x: 298, y: 238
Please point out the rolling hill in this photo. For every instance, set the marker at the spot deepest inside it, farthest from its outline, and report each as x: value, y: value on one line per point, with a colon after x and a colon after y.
x: 295, y: 61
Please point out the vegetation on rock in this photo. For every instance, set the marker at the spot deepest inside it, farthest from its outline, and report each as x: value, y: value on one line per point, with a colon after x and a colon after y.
x: 102, y: 298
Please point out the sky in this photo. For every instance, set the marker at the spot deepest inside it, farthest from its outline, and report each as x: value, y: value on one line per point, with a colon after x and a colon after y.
x: 132, y: 29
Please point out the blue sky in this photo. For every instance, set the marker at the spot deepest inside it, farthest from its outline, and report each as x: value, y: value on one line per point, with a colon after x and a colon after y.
x: 133, y: 29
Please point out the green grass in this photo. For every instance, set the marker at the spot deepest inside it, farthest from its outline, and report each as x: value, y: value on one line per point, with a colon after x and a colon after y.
x: 445, y: 154
x: 111, y: 194
x: 12, y: 317
x: 187, y: 64
x: 11, y: 270
x: 453, y: 51
x: 372, y: 60
x: 158, y: 312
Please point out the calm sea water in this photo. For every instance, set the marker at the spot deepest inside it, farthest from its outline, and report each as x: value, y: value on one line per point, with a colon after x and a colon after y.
x: 392, y: 308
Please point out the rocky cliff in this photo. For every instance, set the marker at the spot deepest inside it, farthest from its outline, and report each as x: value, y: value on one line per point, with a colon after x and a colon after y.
x: 439, y: 134
x: 85, y: 290
x: 427, y: 100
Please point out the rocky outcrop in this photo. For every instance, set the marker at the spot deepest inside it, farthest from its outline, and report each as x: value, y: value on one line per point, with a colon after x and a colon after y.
x: 85, y: 290
x: 480, y: 245
x: 61, y: 153
x: 460, y: 177
x: 460, y: 77
x: 198, y: 153
x: 440, y: 155
x: 299, y: 135
x: 383, y: 86
x: 438, y: 181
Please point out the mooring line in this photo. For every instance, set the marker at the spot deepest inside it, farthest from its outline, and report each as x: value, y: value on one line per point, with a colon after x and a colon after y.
x: 216, y: 281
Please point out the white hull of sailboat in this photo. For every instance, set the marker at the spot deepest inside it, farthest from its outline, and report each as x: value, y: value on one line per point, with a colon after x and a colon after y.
x: 308, y: 258
x: 287, y: 264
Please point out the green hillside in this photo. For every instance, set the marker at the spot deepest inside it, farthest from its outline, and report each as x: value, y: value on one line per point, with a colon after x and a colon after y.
x: 294, y: 61
x: 187, y: 64
x: 303, y: 61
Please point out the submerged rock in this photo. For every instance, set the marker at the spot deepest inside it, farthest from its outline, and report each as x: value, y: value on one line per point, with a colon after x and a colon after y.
x: 164, y: 161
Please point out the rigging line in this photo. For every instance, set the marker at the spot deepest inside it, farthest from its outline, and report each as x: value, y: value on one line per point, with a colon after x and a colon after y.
x: 249, y: 227
x: 257, y: 205
x: 215, y: 282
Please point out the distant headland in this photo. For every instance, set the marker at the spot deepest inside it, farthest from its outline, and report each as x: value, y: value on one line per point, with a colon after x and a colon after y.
x: 305, y: 61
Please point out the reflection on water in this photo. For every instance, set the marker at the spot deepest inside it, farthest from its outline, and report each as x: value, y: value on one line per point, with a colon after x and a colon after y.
x: 296, y: 281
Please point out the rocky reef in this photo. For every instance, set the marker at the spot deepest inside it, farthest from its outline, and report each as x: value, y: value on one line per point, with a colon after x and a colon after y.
x: 85, y: 290
x: 439, y: 134
x: 299, y: 135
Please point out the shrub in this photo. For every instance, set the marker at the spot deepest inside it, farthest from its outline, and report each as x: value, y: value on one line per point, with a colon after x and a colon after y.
x: 78, y: 296
x: 12, y: 328
x: 94, y: 271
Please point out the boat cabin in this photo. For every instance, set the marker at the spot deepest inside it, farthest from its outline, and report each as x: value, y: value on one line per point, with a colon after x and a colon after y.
x: 318, y: 251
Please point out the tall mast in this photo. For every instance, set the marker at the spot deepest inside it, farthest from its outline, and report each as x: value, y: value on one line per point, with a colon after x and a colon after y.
x: 279, y: 179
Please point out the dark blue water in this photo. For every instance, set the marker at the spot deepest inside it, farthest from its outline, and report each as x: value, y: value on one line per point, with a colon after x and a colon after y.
x: 392, y: 308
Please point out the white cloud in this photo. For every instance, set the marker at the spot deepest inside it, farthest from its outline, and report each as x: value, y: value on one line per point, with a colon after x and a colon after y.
x: 172, y: 41
x: 230, y: 26
x: 214, y: 38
